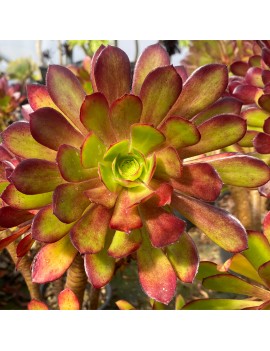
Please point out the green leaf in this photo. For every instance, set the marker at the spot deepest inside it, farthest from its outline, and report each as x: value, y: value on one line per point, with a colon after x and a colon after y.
x: 232, y: 284
x: 220, y: 304
x: 145, y: 138
x: 18, y: 200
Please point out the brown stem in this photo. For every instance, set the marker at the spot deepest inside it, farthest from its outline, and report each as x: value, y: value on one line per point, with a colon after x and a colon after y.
x: 94, y: 298
x: 256, y: 201
x: 25, y: 270
x: 242, y: 209
x: 76, y: 278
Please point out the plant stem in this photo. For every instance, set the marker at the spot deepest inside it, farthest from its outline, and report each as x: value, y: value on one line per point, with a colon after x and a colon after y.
x: 242, y: 210
x: 256, y: 200
x: 76, y: 278
x: 94, y: 298
x: 25, y: 270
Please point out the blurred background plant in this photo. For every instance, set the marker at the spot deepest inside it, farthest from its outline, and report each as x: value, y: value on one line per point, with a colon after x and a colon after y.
x: 202, y: 52
x: 10, y: 100
x: 22, y: 70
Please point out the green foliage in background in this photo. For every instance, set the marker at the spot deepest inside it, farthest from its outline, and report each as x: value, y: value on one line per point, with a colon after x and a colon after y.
x: 88, y: 46
x: 23, y: 69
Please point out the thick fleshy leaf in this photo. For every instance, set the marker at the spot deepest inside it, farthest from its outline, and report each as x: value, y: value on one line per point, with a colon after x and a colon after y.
x: 168, y: 164
x: 264, y: 190
x: 3, y: 186
x: 124, y: 244
x: 11, y: 217
x: 179, y: 302
x: 53, y: 260
x: 39, y: 97
x: 184, y: 258
x: 240, y: 264
x: 108, y: 179
x: 239, y: 170
x: 93, y: 63
x: 89, y: 233
x: 231, y: 284
x: 66, y: 92
x: 123, y: 113
x: 47, y: 228
x: 156, y: 274
x: 266, y: 56
x: 226, y: 105
x: 258, y: 249
x: 266, y: 226
x: 254, y: 77
x: 125, y: 218
x: 36, y: 176
x: 195, y: 180
x: 145, y: 138
x: 35, y: 305
x: 247, y: 140
x: 94, y: 115
x: 24, y: 245
x: 181, y: 70
x: 163, y: 227
x: 266, y: 126
x: 18, y: 139
x: 219, y: 225
x: 18, y: 200
x: 255, y: 61
x: 207, y: 269
x: 264, y: 272
x: 162, y: 195
x: 70, y: 166
x: 25, y: 111
x: 124, y: 305
x: 5, y: 155
x: 69, y: 201
x: 99, y: 268
x: 50, y: 128
x: 255, y: 116
x: 248, y: 94
x: 262, y: 143
x: 159, y: 92
x: 220, y: 304
x: 122, y: 147
x: 200, y: 90
x: 266, y: 76
x: 149, y: 170
x: 11, y: 238
x: 179, y: 132
x: 152, y: 57
x: 239, y: 68
x: 216, y: 133
x: 112, y: 73
x: 92, y: 151
x: 101, y: 195
x: 67, y: 300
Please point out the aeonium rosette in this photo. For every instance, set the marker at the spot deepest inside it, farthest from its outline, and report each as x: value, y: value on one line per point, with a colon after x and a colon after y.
x: 106, y: 171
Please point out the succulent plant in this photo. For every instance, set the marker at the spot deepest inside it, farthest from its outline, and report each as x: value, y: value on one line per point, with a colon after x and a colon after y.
x: 10, y: 99
x: 201, y: 52
x: 67, y: 300
x: 125, y: 305
x: 82, y: 73
x: 246, y: 273
x: 105, y: 174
